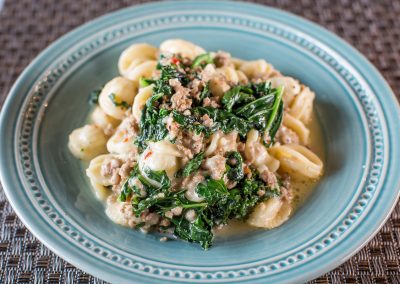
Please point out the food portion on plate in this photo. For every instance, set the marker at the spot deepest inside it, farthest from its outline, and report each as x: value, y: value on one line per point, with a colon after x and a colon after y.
x: 185, y: 140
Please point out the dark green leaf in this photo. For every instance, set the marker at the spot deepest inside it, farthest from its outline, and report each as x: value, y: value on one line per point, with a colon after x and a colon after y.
x: 160, y: 177
x: 235, y: 162
x: 193, y: 165
x: 121, y: 104
x: 202, y: 60
x: 94, y: 97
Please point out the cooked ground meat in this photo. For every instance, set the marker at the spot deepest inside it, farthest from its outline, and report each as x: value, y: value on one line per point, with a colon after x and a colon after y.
x: 207, y: 121
x: 110, y: 169
x: 227, y: 143
x: 222, y: 58
x: 196, y: 86
x: 189, y: 143
x: 269, y: 178
x: 181, y: 99
x: 215, y: 166
x: 208, y: 73
x: 191, y: 182
x: 287, y: 136
x: 212, y: 102
x: 172, y: 126
x: 130, y: 125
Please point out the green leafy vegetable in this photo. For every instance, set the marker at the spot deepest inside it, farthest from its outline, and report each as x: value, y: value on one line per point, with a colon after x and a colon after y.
x: 219, y: 205
x: 94, y: 96
x: 235, y: 162
x: 152, y: 127
x: 237, y: 95
x: 121, y: 104
x: 202, y: 60
x: 158, y: 176
x: 143, y: 82
x: 193, y: 165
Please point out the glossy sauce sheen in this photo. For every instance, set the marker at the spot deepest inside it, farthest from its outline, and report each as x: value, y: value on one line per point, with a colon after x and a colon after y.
x: 301, y: 189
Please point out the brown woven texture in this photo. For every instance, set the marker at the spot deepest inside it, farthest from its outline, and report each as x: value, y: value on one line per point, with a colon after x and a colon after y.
x: 27, y: 27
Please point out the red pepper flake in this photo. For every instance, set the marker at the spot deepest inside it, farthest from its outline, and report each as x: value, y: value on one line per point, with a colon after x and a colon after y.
x: 126, y: 139
x: 175, y: 60
x: 148, y: 155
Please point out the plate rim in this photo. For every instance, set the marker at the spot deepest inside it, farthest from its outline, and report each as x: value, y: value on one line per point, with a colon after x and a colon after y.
x: 8, y: 104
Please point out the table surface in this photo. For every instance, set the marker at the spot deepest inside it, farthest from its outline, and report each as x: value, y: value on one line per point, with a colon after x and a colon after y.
x: 27, y: 27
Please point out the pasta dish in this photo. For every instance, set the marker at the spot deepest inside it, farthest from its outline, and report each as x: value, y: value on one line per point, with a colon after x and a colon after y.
x: 184, y: 141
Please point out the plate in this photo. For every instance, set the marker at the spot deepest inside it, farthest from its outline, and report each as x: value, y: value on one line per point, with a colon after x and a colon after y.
x: 357, y: 110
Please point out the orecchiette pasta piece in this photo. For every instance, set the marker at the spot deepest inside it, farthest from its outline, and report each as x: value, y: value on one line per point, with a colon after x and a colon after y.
x: 100, y: 190
x: 140, y: 100
x: 94, y: 170
x: 242, y: 77
x: 143, y: 70
x: 302, y: 106
x: 102, y: 120
x: 237, y: 62
x: 116, y: 96
x: 116, y: 211
x: 212, y: 147
x: 256, y: 69
x: 135, y: 55
x: 291, y: 88
x: 122, y: 141
x: 229, y: 73
x: 297, y: 126
x: 219, y: 85
x: 270, y: 214
x: 160, y: 156
x: 221, y: 143
x: 298, y: 161
x: 257, y: 154
x: 182, y: 47
x: 87, y: 142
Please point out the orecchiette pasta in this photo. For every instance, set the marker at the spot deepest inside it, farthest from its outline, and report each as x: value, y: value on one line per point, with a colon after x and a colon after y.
x: 257, y: 154
x: 87, y: 142
x: 242, y: 77
x: 135, y: 55
x: 140, y: 100
x: 297, y: 126
x: 270, y: 214
x: 116, y: 96
x: 122, y: 141
x: 237, y: 62
x: 291, y: 88
x: 298, y: 161
x: 302, y: 105
x: 118, y: 212
x: 221, y: 143
x: 143, y: 70
x: 102, y: 120
x: 182, y: 47
x: 94, y: 170
x: 160, y: 156
x: 100, y: 190
x: 256, y: 69
x: 229, y: 73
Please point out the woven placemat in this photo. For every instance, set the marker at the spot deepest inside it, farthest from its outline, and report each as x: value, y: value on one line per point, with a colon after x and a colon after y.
x: 27, y: 27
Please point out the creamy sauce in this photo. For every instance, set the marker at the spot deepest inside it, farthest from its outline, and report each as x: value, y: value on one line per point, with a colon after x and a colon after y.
x: 234, y: 228
x: 302, y: 189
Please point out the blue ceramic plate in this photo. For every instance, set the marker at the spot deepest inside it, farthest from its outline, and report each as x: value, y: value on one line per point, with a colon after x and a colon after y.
x: 357, y: 110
